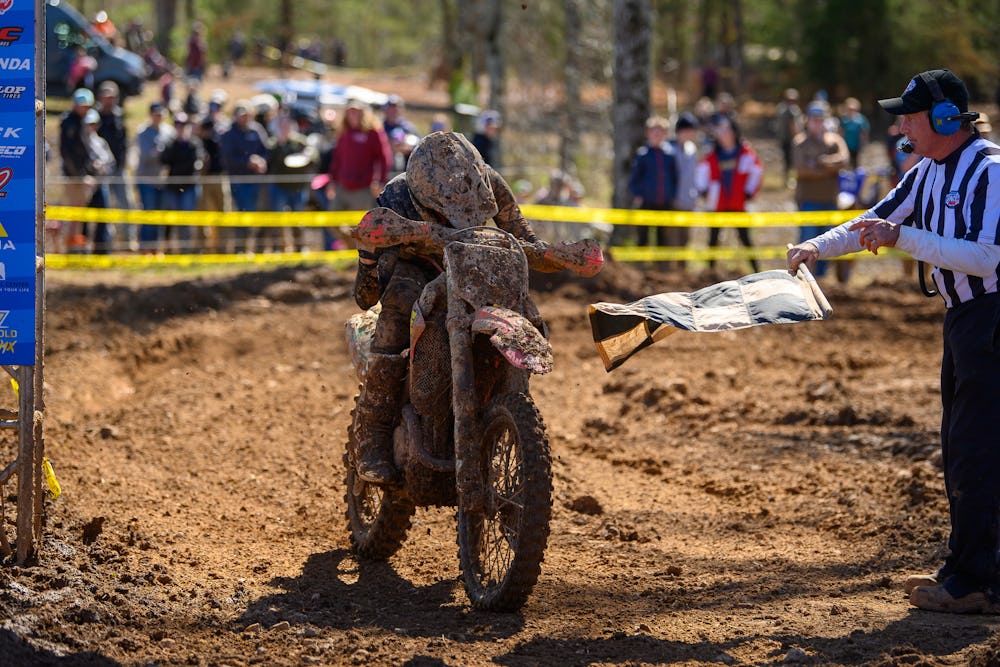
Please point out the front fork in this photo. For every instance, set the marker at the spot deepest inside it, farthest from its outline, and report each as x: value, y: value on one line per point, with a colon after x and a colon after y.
x: 468, y: 463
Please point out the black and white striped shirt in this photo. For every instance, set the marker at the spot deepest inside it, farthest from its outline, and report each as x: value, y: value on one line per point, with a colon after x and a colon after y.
x: 957, y: 198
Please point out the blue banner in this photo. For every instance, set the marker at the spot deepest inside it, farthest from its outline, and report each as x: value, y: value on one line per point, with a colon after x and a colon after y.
x: 18, y: 184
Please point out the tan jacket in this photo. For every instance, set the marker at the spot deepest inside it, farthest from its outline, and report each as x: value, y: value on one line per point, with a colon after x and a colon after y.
x: 818, y: 161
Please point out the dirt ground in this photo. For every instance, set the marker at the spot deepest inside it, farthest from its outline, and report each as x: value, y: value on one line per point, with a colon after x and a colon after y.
x: 752, y: 497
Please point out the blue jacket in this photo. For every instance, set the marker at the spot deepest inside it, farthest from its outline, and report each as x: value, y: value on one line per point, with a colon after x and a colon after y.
x: 654, y: 176
x: 238, y: 144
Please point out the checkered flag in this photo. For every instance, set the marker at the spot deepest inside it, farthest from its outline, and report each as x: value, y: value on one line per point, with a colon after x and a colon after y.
x: 769, y: 297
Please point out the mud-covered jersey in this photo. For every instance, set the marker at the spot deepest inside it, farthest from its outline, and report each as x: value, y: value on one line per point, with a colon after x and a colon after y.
x: 958, y: 197
x: 372, y: 279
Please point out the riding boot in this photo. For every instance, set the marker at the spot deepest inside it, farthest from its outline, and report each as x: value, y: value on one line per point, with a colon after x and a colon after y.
x: 376, y: 415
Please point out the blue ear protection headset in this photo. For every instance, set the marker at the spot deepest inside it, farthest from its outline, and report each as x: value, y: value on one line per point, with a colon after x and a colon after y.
x: 946, y: 118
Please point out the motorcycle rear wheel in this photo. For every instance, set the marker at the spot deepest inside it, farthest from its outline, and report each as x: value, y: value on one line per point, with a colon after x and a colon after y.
x: 378, y: 517
x: 500, y: 548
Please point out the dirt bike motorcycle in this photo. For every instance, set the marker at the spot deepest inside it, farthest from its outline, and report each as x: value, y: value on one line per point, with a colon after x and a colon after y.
x: 469, y: 434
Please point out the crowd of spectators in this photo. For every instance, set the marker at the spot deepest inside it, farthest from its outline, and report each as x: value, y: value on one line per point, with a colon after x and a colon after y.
x: 257, y: 154
x: 267, y: 154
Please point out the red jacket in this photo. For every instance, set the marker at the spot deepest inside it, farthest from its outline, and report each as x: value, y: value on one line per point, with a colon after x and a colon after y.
x: 360, y: 159
x: 748, y: 174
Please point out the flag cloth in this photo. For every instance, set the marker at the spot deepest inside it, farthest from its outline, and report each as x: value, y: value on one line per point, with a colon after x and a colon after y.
x: 769, y: 297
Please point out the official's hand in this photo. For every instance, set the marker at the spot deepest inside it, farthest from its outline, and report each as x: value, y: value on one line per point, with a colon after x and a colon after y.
x: 876, y: 234
x: 803, y: 252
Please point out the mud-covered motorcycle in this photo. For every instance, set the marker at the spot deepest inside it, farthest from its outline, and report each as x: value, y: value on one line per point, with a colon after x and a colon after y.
x: 469, y: 433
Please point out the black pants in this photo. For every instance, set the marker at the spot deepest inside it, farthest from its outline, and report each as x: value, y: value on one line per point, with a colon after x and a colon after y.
x: 970, y: 442
x: 744, y: 234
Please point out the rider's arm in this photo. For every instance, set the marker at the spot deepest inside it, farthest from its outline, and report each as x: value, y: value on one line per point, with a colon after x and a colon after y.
x: 509, y: 216
x: 371, y: 279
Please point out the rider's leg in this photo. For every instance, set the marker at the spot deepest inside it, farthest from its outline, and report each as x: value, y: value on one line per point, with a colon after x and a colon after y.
x: 382, y: 394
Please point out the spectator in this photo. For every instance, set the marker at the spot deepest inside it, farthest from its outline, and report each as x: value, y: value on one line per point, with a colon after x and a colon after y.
x: 151, y: 138
x: 101, y: 164
x: 197, y: 53
x: 652, y: 180
x: 725, y: 105
x: 728, y: 177
x: 184, y: 157
x: 213, y: 195
x: 788, y: 124
x: 289, y: 161
x: 104, y: 26
x: 192, y: 105
x: 709, y: 81
x: 75, y: 155
x: 486, y: 137
x: 236, y: 50
x: 361, y: 160
x: 855, y: 128
x: 112, y: 129
x: 402, y: 144
x: 244, y: 158
x: 818, y: 156
x: 440, y: 123
x: 984, y: 126
x: 392, y: 118
x: 81, y: 70
x: 555, y: 193
x: 685, y: 148
x: 324, y: 142
x: 135, y: 38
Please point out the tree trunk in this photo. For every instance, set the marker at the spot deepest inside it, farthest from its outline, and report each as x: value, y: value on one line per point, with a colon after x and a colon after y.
x: 285, y: 23
x: 569, y: 145
x: 632, y: 39
x: 494, y: 61
x: 736, y: 48
x: 166, y: 19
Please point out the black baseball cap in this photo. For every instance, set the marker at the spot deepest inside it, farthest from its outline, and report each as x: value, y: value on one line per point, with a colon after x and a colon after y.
x: 918, y: 95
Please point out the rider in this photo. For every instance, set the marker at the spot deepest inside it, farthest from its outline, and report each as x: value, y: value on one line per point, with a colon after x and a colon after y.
x: 446, y: 182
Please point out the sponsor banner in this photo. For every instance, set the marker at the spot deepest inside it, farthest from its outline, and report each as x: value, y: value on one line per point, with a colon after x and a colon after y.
x: 18, y: 185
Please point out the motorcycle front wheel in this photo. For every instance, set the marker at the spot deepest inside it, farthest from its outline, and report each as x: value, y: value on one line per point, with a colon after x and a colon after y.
x: 378, y: 517
x: 501, y: 546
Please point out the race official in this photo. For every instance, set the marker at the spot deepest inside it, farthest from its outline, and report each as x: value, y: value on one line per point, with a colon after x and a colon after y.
x: 945, y: 211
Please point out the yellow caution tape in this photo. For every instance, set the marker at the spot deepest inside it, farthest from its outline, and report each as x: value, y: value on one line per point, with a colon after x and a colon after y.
x: 578, y: 214
x: 50, y: 478
x: 73, y: 261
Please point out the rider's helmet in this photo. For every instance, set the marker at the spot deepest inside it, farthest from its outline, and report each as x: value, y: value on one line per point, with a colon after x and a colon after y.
x: 448, y: 179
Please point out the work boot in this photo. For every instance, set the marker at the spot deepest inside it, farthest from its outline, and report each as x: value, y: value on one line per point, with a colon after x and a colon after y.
x: 915, y: 580
x: 376, y: 415
x: 937, y: 598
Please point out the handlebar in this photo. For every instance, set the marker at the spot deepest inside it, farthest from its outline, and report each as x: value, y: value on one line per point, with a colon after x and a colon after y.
x: 383, y: 227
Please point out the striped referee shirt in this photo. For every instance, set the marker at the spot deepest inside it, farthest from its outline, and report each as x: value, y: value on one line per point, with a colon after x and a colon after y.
x: 943, y: 205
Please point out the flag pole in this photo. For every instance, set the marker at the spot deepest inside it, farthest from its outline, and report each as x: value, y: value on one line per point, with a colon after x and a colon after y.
x: 810, y: 280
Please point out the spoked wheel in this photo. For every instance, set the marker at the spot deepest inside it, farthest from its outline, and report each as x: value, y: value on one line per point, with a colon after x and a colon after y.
x: 500, y: 548
x: 378, y: 517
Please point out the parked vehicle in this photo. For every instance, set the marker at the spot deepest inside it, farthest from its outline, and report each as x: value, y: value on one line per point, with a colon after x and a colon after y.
x: 469, y: 432
x: 66, y: 30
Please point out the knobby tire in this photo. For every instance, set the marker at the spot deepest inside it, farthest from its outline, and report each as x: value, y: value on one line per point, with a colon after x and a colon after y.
x: 500, y: 549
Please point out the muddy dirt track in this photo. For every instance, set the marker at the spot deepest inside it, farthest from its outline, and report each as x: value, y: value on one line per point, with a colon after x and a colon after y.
x: 753, y: 497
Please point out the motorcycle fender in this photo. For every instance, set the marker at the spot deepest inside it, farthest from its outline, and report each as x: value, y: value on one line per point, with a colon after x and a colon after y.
x: 515, y: 337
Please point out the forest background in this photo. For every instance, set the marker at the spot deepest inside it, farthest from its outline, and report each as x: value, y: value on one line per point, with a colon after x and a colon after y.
x: 581, y: 65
